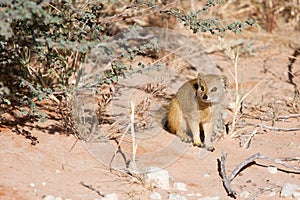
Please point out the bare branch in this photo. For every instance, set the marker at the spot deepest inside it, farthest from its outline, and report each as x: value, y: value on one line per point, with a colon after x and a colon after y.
x: 278, y: 128
x: 247, y: 144
x: 280, y: 162
x: 289, y: 116
x: 90, y: 187
x: 226, y: 181
x: 244, y: 164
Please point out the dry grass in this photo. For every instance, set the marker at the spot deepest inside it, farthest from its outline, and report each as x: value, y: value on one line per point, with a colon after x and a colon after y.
x: 271, y: 14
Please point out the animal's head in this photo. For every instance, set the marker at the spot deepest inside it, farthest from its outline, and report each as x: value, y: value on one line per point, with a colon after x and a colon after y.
x: 212, y: 88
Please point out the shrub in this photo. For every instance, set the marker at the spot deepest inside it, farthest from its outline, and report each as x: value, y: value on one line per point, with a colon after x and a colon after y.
x: 43, y: 43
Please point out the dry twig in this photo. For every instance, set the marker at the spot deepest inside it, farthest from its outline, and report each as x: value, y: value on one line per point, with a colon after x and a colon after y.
x: 247, y: 144
x: 243, y: 164
x: 134, y: 144
x: 227, y: 180
x: 131, y: 167
x: 90, y: 187
x: 118, y: 149
x: 278, y: 128
x: 289, y: 116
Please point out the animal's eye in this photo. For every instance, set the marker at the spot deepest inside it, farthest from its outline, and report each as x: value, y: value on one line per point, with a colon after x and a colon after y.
x: 202, y: 88
x: 214, y: 89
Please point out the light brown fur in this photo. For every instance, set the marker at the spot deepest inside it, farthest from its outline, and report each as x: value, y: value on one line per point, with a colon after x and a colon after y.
x: 193, y: 109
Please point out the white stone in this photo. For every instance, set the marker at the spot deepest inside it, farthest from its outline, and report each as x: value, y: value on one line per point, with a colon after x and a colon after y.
x: 209, y: 198
x: 231, y: 105
x: 155, y: 196
x: 296, y: 195
x: 43, y: 183
x: 245, y: 195
x: 194, y: 195
x: 272, y: 194
x: 198, y: 194
x: 176, y: 197
x: 207, y: 175
x: 49, y: 197
x: 180, y: 186
x: 158, y: 178
x: 32, y: 185
x: 289, y: 189
x: 112, y: 196
x: 272, y: 170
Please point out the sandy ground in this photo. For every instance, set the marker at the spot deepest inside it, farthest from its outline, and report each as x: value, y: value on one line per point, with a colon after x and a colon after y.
x: 58, y: 166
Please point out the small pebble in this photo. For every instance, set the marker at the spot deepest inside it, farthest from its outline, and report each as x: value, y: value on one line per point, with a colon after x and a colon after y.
x: 194, y: 195
x: 272, y: 194
x: 158, y: 178
x: 296, y: 195
x: 32, y: 185
x: 176, y: 197
x: 206, y: 175
x: 210, y: 198
x: 289, y: 189
x: 231, y: 105
x: 49, y: 197
x: 272, y: 170
x: 245, y: 195
x: 155, y: 196
x: 43, y: 183
x: 180, y: 186
x: 112, y: 196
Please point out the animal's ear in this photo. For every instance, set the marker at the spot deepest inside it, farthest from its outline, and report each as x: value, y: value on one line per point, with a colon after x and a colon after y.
x: 200, y: 78
x: 225, y: 81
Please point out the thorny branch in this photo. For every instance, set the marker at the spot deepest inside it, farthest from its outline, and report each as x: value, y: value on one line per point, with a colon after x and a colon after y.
x: 227, y: 180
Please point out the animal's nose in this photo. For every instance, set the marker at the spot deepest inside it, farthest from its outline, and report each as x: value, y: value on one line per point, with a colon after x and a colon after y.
x: 205, y: 97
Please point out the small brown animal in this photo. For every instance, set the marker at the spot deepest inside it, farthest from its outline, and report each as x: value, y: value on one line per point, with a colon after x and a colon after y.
x: 196, y: 107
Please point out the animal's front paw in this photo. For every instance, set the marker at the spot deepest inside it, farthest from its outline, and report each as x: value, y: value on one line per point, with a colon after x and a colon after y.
x: 209, y: 148
x: 186, y: 139
x: 198, y: 144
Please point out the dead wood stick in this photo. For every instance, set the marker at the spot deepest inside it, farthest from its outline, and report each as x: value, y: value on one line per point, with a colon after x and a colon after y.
x: 90, y: 187
x: 289, y: 116
x: 226, y: 181
x: 291, y: 159
x: 277, y: 128
x: 259, y: 156
x: 270, y: 119
x: 242, y: 165
x: 280, y: 162
x: 247, y: 144
x: 118, y: 149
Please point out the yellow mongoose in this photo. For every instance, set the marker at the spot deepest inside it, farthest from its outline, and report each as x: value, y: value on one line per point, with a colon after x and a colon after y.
x: 196, y: 107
